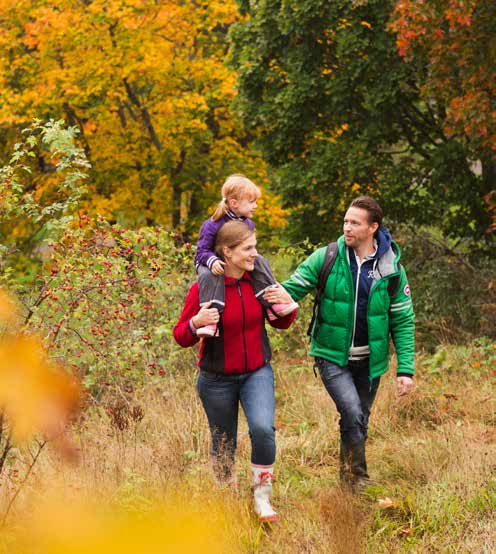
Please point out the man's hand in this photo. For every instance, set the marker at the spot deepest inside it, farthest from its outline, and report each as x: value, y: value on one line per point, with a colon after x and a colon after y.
x: 277, y: 294
x: 405, y: 385
x: 218, y: 267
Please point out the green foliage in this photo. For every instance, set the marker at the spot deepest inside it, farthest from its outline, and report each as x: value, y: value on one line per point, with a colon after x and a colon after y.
x: 295, y: 341
x: 478, y: 357
x: 452, y: 285
x: 28, y: 216
x: 338, y: 112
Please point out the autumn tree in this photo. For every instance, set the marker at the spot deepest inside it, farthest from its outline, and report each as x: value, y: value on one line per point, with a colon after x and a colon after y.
x: 339, y: 112
x: 456, y: 41
x: 145, y: 84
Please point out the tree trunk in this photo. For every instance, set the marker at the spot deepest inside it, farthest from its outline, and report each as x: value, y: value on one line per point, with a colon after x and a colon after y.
x: 176, y: 206
x: 488, y: 174
x: 488, y: 193
x: 176, y: 192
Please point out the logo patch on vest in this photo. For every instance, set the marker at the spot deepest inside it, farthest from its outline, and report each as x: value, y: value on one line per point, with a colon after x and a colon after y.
x: 406, y: 290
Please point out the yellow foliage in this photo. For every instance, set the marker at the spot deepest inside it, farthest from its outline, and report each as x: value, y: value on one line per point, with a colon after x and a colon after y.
x: 180, y: 526
x: 144, y: 81
x: 8, y: 309
x: 269, y: 211
x: 36, y: 395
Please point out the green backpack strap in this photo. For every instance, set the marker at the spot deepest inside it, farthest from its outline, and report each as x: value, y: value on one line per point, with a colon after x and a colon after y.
x: 330, y: 257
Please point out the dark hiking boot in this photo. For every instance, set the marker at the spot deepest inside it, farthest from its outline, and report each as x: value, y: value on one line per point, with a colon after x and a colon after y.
x: 361, y: 479
x: 353, y: 467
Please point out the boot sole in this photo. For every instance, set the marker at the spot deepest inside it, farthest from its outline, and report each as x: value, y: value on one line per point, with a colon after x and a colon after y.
x: 269, y: 519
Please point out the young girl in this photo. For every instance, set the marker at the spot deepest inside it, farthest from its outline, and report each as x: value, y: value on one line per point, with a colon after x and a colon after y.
x: 239, y: 201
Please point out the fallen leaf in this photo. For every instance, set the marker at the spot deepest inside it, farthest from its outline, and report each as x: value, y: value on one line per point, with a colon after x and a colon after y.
x: 386, y: 502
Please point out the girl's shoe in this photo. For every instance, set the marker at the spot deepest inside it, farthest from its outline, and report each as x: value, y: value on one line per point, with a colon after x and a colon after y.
x: 276, y: 311
x: 209, y: 330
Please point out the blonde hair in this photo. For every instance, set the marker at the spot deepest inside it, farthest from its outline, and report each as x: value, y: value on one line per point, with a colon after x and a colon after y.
x: 231, y: 234
x: 235, y: 186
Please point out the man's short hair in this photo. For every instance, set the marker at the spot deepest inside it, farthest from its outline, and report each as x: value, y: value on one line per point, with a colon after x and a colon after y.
x: 372, y: 207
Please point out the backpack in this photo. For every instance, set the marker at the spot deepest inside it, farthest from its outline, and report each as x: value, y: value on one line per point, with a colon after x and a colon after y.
x: 329, y: 259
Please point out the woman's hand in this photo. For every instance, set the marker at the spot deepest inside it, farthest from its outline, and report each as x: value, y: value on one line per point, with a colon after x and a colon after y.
x: 205, y: 316
x: 277, y: 294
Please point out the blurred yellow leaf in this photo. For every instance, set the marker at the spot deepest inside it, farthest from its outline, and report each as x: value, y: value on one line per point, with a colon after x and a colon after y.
x: 35, y: 394
x: 179, y: 526
x: 8, y: 308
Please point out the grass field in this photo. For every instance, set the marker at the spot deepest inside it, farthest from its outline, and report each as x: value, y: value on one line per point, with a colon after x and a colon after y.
x: 432, y: 457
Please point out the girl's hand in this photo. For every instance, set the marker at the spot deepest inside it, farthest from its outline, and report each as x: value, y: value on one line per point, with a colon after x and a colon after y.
x: 218, y: 267
x: 205, y: 316
x: 277, y: 294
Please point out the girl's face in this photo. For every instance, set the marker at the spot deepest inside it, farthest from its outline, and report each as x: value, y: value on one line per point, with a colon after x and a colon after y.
x: 244, y: 206
x: 242, y: 257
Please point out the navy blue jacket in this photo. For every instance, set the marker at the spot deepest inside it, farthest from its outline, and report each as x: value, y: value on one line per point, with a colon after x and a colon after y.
x: 363, y: 279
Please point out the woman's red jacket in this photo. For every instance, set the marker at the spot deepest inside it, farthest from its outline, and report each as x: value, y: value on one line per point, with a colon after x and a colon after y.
x: 242, y: 344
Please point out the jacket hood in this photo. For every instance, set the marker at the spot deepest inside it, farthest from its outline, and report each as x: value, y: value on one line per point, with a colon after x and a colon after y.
x: 384, y: 241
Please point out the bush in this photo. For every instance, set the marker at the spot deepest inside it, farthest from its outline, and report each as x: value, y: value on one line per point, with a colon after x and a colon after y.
x: 452, y: 286
x: 106, y: 299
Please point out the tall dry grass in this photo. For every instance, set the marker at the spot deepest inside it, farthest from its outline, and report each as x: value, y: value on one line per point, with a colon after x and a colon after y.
x: 431, y: 455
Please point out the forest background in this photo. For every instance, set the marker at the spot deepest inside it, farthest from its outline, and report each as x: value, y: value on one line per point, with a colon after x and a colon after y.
x: 119, y: 121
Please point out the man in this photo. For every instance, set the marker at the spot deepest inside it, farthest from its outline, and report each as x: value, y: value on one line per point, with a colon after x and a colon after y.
x: 366, y: 299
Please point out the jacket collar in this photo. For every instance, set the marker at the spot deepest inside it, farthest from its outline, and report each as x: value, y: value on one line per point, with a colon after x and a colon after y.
x: 231, y: 215
x: 231, y: 281
x: 387, y: 255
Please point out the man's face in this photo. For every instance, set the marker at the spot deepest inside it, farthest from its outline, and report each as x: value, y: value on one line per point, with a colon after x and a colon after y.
x: 356, y: 227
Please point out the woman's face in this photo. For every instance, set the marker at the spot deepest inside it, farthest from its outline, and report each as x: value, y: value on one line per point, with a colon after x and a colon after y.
x: 243, y: 256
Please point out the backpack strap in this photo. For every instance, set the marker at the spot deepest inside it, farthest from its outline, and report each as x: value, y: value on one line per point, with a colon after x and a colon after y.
x: 394, y: 283
x: 330, y: 257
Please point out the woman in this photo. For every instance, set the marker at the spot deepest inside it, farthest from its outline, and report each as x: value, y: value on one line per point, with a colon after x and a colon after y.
x: 234, y: 366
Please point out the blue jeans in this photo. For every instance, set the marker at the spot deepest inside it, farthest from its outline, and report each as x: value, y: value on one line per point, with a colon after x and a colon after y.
x: 353, y: 393
x: 221, y: 395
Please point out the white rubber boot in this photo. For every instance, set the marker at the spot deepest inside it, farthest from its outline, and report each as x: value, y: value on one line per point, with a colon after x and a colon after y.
x: 262, y: 489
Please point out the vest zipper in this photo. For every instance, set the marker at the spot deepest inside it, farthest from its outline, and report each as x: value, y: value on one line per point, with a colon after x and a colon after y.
x: 243, y: 314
